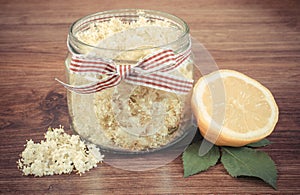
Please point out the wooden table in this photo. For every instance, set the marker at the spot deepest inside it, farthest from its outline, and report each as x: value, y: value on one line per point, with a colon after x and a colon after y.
x: 258, y: 38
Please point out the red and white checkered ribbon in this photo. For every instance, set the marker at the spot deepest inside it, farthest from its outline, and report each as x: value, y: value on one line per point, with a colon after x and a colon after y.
x: 151, y: 71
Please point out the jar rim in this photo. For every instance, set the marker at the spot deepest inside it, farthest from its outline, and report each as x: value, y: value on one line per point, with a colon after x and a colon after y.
x: 137, y: 12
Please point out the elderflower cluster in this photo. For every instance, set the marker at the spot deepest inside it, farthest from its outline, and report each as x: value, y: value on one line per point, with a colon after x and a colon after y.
x: 59, y: 153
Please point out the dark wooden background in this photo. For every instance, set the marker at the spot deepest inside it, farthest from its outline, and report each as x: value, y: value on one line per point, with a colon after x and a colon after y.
x: 258, y: 38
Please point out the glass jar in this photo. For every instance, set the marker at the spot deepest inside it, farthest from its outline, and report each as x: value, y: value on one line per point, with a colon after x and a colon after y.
x: 129, y: 75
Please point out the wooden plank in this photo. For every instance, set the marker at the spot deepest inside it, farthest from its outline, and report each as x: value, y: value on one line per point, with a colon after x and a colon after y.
x: 258, y: 38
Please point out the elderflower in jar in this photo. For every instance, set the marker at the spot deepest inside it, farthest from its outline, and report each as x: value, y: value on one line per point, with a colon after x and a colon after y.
x: 129, y: 79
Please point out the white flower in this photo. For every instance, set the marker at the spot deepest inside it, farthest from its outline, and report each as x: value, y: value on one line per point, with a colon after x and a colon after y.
x: 59, y: 153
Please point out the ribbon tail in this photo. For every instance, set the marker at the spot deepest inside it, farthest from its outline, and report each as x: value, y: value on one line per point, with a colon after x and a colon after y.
x: 93, y: 86
x: 163, y: 81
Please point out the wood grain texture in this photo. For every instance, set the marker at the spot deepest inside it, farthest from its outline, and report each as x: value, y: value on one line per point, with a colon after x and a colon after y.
x: 258, y: 38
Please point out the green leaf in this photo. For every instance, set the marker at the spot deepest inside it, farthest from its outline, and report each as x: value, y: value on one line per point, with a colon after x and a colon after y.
x: 248, y: 162
x: 261, y: 143
x: 193, y: 163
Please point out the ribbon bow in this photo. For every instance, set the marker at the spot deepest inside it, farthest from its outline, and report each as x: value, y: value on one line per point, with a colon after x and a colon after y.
x: 151, y: 71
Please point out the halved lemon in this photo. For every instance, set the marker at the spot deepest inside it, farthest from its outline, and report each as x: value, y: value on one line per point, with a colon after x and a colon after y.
x: 233, y: 109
